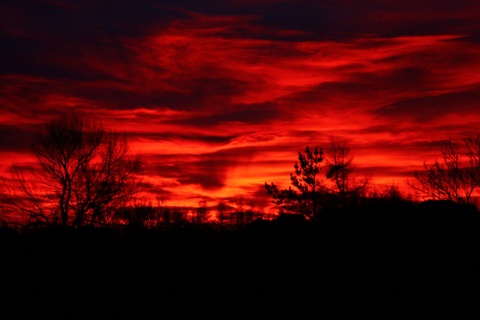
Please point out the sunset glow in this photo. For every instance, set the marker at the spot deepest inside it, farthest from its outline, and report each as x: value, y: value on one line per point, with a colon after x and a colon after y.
x: 220, y: 97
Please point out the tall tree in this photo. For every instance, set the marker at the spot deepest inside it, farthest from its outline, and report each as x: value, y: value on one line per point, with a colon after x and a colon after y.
x: 305, y: 197
x: 341, y: 172
x: 455, y: 177
x: 82, y: 172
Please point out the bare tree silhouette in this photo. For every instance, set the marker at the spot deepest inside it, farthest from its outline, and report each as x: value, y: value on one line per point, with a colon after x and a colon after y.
x: 82, y: 172
x: 455, y: 177
x: 341, y: 171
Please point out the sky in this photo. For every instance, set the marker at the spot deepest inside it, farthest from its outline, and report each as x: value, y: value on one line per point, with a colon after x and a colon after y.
x: 220, y: 96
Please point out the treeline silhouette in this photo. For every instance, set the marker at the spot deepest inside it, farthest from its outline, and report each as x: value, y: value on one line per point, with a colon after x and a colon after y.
x: 335, y: 250
x: 219, y: 217
x: 392, y: 261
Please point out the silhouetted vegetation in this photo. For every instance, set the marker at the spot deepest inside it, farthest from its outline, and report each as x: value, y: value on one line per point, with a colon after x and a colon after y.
x: 306, y: 197
x: 347, y: 186
x: 456, y: 176
x: 387, y: 255
x: 313, y: 191
x: 346, y: 250
x: 81, y: 176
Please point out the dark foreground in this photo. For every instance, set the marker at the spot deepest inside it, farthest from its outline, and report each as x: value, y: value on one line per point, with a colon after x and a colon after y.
x: 416, y: 267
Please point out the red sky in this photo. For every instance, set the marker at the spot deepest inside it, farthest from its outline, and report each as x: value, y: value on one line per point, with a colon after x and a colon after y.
x: 220, y: 97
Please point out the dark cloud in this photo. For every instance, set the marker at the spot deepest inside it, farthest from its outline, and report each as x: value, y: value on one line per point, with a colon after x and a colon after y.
x: 431, y: 107
x: 199, y: 92
x: 179, y: 136
x: 339, y: 20
x: 209, y: 170
x: 248, y: 114
x: 156, y: 191
x: 17, y: 139
x: 258, y: 196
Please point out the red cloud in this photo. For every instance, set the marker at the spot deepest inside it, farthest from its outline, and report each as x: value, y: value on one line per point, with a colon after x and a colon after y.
x: 221, y: 104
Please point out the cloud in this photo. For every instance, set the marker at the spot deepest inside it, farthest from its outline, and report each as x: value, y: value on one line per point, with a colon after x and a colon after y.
x: 16, y: 139
x: 430, y: 108
x: 219, y: 97
x: 237, y: 114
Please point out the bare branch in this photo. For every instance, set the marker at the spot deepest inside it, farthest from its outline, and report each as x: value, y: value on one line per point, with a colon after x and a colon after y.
x: 455, y: 177
x: 81, y: 173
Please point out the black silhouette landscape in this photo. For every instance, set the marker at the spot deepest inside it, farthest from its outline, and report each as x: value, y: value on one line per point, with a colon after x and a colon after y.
x: 391, y: 261
x: 73, y: 246
x: 239, y: 159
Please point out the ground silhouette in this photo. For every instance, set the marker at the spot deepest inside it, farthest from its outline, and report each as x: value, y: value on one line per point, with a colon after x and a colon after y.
x: 419, y: 261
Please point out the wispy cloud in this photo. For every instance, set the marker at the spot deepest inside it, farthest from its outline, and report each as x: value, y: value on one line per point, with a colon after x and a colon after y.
x: 219, y: 98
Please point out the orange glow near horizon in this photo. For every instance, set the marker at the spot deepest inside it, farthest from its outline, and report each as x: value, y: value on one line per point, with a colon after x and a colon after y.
x: 220, y: 99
